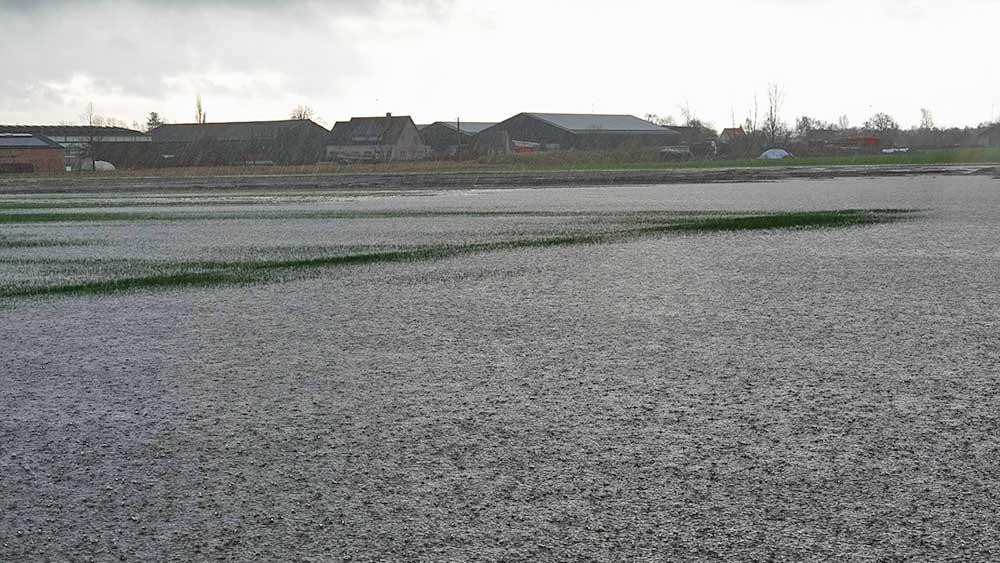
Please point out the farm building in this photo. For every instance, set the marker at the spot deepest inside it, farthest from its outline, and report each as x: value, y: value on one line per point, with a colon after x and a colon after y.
x: 447, y: 137
x: 23, y: 153
x: 565, y: 131
x: 83, y: 144
x: 293, y: 141
x: 731, y: 134
x: 376, y: 139
x: 990, y: 136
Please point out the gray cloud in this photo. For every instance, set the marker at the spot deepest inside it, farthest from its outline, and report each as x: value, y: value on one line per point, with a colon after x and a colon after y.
x: 142, y: 48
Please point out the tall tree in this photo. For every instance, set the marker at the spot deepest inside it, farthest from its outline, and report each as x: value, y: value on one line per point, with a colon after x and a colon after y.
x: 199, y: 112
x: 843, y: 123
x: 805, y: 124
x: 926, y: 119
x: 153, y: 121
x: 89, y: 116
x: 774, y: 127
x: 87, y: 151
x: 750, y: 124
x: 881, y: 123
x: 687, y: 115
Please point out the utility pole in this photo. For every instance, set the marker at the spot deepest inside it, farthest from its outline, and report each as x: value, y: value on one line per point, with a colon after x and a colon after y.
x: 458, y: 129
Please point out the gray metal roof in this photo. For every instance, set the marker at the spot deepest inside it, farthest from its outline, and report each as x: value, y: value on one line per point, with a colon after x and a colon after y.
x: 26, y: 141
x: 468, y: 127
x: 233, y: 131
x: 71, y: 130
x: 369, y: 130
x: 596, y: 122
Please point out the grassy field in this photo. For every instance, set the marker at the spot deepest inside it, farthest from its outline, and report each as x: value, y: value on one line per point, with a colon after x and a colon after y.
x: 571, y: 161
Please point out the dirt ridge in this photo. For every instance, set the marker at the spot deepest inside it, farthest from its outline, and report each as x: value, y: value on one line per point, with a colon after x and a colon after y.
x: 472, y: 180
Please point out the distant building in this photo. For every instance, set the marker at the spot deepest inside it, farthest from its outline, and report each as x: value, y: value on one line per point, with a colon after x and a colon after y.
x: 83, y: 144
x: 293, y: 141
x: 25, y: 153
x: 731, y: 134
x: 691, y: 134
x: 447, y: 137
x: 990, y: 136
x: 376, y: 139
x: 566, y: 131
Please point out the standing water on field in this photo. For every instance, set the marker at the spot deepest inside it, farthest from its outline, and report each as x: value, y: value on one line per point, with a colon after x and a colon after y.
x: 597, y: 373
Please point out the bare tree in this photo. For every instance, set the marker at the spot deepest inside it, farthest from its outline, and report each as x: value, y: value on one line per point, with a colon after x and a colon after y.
x: 199, y: 112
x: 750, y: 124
x: 660, y: 120
x: 302, y: 112
x: 881, y: 123
x: 89, y: 115
x: 926, y: 119
x: 843, y: 123
x: 774, y: 128
x: 805, y: 124
x: 687, y: 114
x: 87, y: 150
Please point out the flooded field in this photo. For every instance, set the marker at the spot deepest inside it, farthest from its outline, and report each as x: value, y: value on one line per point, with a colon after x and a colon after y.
x: 801, y: 370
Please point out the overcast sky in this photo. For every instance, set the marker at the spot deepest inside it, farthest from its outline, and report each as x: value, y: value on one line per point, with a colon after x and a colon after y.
x: 487, y: 60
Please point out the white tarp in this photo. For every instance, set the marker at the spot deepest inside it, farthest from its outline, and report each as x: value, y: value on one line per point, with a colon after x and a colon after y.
x: 774, y: 154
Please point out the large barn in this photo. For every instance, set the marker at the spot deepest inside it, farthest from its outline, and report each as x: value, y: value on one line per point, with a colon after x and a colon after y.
x: 566, y: 131
x: 83, y: 144
x: 446, y: 138
x: 25, y: 153
x: 376, y: 139
x: 294, y: 141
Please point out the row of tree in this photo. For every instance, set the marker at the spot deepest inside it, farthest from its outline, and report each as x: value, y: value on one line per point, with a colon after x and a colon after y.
x: 767, y: 130
x: 91, y: 118
x: 772, y: 130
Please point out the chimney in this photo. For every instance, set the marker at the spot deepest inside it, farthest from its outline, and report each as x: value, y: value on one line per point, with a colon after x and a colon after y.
x: 388, y: 114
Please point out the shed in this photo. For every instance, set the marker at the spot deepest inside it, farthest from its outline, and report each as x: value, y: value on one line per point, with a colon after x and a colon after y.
x: 447, y: 137
x: 25, y: 153
x: 83, y: 144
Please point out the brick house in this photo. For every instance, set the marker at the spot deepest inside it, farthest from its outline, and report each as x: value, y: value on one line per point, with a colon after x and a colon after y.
x: 25, y: 153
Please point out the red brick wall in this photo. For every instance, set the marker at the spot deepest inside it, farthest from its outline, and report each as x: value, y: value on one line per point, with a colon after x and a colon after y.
x: 47, y: 160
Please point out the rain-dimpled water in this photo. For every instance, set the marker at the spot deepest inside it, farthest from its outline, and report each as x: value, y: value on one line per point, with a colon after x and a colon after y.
x: 797, y: 394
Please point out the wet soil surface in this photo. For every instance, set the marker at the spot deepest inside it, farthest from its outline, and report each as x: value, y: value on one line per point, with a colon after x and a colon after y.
x: 469, y: 180
x: 811, y: 395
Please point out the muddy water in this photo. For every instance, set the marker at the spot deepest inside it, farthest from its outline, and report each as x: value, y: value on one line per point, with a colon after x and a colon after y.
x: 793, y: 395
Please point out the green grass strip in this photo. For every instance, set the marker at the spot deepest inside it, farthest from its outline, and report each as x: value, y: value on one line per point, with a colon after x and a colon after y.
x: 216, y: 273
